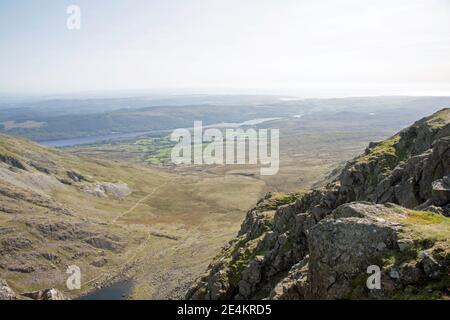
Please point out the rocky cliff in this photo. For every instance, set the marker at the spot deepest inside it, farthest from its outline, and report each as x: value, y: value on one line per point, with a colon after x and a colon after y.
x: 6, y: 293
x: 388, y: 210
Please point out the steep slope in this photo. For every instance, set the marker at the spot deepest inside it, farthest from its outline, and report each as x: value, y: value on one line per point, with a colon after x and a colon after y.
x: 57, y: 209
x: 389, y: 208
x: 113, y: 219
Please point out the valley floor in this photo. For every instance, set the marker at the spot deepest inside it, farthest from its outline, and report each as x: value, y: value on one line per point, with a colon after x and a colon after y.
x: 192, y: 215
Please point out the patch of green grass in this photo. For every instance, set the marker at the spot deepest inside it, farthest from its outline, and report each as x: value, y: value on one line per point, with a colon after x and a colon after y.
x: 277, y: 200
x: 426, y: 218
x: 159, y: 156
x: 427, y: 225
x: 238, y: 265
x: 358, y: 288
x: 395, y: 257
x: 157, y: 150
x: 385, y: 154
x: 239, y: 254
x: 434, y: 290
x: 384, y: 148
x: 430, y: 232
x: 439, y: 119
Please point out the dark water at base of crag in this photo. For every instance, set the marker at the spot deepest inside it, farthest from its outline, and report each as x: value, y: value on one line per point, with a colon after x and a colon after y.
x: 117, y: 291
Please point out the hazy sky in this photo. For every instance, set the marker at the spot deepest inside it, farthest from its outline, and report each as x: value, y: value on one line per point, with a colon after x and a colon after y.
x: 311, y: 47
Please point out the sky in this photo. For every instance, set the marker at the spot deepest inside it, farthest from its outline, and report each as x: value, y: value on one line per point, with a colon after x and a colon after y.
x: 303, y: 47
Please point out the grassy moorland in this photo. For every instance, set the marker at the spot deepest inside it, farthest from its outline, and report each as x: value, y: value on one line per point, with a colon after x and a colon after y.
x: 123, y: 210
x: 111, y: 219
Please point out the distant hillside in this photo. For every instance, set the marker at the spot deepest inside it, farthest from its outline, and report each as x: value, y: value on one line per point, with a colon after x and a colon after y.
x: 57, y: 209
x: 63, y: 119
x: 389, y: 207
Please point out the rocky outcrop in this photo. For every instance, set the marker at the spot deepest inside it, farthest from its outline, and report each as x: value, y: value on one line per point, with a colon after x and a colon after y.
x: 47, y: 294
x: 332, y: 264
x: 11, y: 161
x: 76, y: 176
x: 6, y: 293
x: 385, y: 210
x: 104, y: 243
x: 440, y: 195
x: 103, y: 190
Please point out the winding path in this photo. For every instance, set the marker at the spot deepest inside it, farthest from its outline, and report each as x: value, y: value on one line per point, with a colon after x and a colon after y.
x: 141, y: 201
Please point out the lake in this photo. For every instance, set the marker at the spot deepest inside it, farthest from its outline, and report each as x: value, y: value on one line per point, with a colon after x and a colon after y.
x: 65, y: 143
x: 117, y: 291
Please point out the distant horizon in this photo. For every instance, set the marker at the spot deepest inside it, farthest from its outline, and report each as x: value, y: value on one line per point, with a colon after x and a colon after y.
x: 136, y: 93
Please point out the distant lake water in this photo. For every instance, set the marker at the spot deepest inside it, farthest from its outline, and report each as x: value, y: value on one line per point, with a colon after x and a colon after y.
x: 252, y: 122
x: 65, y: 143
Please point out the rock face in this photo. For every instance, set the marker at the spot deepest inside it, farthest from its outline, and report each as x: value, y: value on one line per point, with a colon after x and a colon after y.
x: 331, y: 263
x: 47, y: 294
x: 13, y: 162
x: 103, y: 190
x: 387, y: 209
x: 6, y: 293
